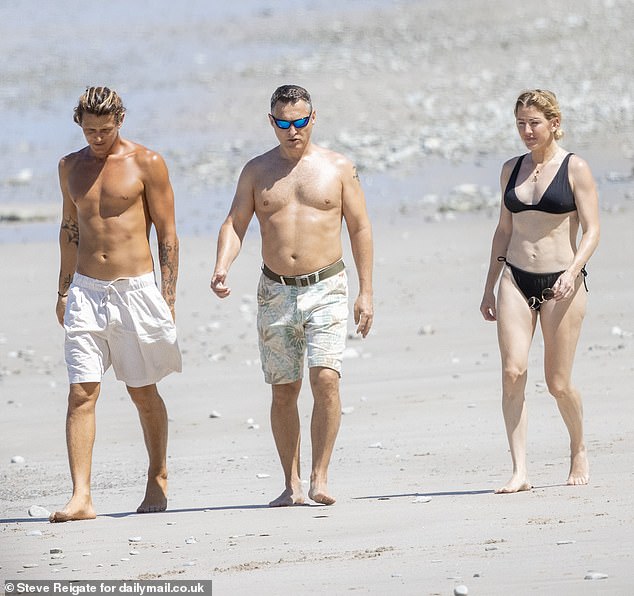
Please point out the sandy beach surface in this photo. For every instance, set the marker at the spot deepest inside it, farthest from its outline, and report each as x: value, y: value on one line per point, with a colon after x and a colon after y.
x: 420, y: 450
x: 421, y: 97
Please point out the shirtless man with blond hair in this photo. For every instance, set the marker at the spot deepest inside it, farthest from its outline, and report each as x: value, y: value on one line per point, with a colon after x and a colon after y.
x: 112, y: 312
x: 300, y: 193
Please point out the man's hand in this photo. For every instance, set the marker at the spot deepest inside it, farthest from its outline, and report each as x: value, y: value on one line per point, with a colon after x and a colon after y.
x: 60, y: 309
x: 363, y: 314
x: 218, y: 286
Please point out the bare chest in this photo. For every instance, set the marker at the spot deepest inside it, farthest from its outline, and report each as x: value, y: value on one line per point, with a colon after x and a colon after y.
x: 108, y: 188
x: 300, y: 188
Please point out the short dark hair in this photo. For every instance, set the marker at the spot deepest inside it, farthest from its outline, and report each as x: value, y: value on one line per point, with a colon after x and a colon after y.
x: 290, y: 94
x: 99, y: 101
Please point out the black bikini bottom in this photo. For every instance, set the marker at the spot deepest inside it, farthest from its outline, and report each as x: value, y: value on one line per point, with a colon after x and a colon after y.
x: 536, y: 287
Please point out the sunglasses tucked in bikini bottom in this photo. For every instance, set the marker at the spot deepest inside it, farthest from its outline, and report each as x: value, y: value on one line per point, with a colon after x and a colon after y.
x: 536, y: 287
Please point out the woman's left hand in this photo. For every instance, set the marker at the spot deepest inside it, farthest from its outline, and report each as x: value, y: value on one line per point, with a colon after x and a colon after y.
x: 564, y: 287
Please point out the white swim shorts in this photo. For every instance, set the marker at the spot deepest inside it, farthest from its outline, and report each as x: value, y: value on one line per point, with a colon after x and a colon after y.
x: 125, y: 323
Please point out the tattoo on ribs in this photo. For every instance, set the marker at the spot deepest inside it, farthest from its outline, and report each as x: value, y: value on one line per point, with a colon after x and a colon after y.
x: 70, y: 226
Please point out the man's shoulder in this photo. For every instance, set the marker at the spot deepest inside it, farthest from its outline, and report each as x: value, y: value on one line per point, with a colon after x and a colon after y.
x: 71, y: 158
x: 264, y: 161
x: 138, y: 150
x: 333, y: 157
x: 72, y: 162
x: 144, y: 157
x: 264, y: 158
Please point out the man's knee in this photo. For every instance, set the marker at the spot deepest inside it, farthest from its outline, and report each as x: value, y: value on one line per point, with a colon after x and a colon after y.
x: 325, y: 382
x: 144, y: 397
x: 83, y: 394
x: 286, y: 394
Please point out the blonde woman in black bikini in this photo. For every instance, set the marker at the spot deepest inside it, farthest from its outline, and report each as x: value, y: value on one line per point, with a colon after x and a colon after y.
x: 548, y: 194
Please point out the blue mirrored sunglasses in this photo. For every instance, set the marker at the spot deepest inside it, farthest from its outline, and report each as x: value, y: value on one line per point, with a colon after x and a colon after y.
x: 286, y: 124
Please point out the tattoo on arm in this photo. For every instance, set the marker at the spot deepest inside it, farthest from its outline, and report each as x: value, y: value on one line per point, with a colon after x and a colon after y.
x: 355, y: 174
x: 66, y: 281
x: 70, y: 226
x: 168, y: 259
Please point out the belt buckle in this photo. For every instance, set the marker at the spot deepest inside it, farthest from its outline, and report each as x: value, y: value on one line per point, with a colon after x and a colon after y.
x: 303, y: 280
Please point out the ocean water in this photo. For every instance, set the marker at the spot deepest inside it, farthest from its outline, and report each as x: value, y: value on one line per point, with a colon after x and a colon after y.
x: 174, y: 63
x: 196, y: 77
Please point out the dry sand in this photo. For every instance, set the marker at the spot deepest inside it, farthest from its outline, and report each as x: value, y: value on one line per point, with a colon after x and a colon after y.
x: 422, y: 445
x: 425, y: 422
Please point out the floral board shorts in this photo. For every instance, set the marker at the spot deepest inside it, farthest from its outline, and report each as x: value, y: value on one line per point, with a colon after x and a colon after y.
x: 293, y: 321
x: 125, y: 323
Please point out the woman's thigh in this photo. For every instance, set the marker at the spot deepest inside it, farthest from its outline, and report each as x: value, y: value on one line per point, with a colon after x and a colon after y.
x: 561, y: 326
x: 516, y: 323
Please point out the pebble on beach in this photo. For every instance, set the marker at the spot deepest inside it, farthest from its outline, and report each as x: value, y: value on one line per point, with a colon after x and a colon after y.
x: 595, y: 575
x: 37, y: 511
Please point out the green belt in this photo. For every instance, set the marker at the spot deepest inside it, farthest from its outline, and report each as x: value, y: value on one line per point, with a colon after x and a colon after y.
x: 305, y: 280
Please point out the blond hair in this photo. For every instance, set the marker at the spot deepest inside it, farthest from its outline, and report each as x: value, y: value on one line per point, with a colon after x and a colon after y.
x: 100, y: 101
x: 545, y: 101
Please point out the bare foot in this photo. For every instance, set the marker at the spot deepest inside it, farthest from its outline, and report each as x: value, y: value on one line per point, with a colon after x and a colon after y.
x: 319, y: 494
x: 77, y: 508
x: 579, y: 469
x: 288, y: 498
x: 515, y: 485
x: 155, y: 499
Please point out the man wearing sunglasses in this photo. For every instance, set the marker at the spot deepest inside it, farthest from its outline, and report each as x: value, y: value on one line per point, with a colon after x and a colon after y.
x: 300, y: 194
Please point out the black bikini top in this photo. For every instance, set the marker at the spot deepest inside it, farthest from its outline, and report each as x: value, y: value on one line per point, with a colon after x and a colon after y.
x: 557, y: 198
